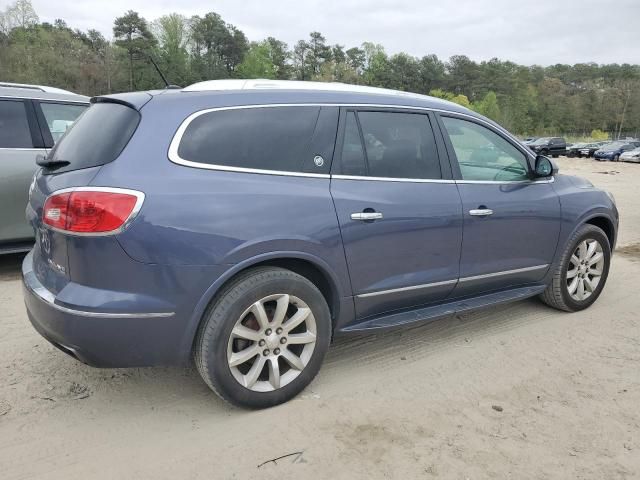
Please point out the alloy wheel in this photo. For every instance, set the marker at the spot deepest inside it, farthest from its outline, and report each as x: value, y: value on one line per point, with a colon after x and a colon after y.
x: 272, y: 342
x: 585, y: 269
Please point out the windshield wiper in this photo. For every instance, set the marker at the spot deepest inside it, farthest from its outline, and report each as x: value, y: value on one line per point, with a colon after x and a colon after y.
x: 43, y: 161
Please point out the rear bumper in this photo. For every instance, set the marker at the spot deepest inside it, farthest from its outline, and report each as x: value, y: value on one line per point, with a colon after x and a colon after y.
x: 101, y: 339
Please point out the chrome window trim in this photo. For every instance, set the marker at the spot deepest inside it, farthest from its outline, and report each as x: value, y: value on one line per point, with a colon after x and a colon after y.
x: 177, y: 138
x: 391, y: 179
x: 140, y: 196
x: 406, y: 289
x: 41, y: 293
x: 449, y: 282
x: 503, y: 273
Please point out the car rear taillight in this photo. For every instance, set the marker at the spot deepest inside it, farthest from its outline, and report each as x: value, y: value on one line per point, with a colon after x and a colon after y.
x: 89, y: 210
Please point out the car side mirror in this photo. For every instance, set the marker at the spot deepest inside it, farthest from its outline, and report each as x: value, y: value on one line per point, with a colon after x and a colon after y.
x: 545, y: 167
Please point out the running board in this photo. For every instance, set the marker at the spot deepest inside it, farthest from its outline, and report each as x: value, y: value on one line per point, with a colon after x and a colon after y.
x: 434, y: 312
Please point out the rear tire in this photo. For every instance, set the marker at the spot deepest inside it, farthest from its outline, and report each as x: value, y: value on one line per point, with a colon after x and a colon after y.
x: 564, y: 291
x: 263, y: 338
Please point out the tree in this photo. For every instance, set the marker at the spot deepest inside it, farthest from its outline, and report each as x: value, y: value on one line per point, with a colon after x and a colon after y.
x: 172, y: 34
x: 19, y: 15
x: 132, y: 34
x: 279, y: 55
x: 488, y: 106
x: 300, y: 60
x: 257, y: 62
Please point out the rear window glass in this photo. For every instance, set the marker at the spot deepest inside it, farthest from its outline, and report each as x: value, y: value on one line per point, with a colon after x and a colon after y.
x: 97, y: 137
x: 268, y: 138
x: 14, y: 127
x: 60, y: 116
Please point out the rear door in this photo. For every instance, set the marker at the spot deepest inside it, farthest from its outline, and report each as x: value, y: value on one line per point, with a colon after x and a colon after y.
x: 399, y: 210
x: 20, y: 143
x: 511, y: 222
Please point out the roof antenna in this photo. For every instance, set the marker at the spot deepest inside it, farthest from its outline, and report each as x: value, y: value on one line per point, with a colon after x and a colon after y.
x: 168, y: 86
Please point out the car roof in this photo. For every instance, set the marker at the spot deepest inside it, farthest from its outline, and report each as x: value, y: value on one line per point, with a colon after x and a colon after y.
x: 220, y: 93
x: 22, y: 90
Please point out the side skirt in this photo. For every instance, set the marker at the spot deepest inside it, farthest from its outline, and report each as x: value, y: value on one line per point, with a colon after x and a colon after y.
x: 434, y: 312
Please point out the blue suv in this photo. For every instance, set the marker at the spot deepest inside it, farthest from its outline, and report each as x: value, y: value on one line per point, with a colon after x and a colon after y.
x: 244, y: 224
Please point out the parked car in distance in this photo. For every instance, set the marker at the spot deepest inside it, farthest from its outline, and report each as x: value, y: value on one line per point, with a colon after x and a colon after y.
x: 528, y: 140
x: 591, y: 148
x: 583, y: 149
x: 632, y: 156
x: 246, y: 223
x: 554, y: 146
x: 613, y: 150
x: 32, y: 119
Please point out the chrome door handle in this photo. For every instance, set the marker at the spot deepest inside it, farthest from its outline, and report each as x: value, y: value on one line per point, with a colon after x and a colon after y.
x: 366, y: 216
x: 481, y: 212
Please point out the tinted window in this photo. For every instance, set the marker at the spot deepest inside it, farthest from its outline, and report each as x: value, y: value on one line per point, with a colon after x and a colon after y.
x: 352, y: 158
x: 269, y: 138
x: 483, y: 154
x: 60, y: 117
x: 399, y: 145
x: 14, y: 127
x: 97, y: 137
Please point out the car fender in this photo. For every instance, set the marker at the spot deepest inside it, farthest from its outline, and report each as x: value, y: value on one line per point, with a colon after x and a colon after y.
x: 342, y: 290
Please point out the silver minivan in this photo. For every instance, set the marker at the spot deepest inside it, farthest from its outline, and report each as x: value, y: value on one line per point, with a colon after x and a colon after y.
x: 32, y: 119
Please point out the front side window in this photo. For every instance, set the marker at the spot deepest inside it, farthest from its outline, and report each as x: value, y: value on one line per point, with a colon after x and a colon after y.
x: 14, y: 126
x: 484, y: 155
x: 60, y: 117
x: 396, y: 145
x: 266, y: 138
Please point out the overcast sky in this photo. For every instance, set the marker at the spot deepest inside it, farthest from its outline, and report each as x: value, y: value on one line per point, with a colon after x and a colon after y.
x: 540, y: 32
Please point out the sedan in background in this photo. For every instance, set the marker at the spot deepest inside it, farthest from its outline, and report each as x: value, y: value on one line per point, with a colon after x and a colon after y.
x: 583, y: 149
x: 632, y: 156
x: 612, y: 151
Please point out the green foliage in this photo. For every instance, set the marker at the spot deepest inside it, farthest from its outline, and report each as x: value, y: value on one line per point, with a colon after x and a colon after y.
x: 599, y: 135
x: 257, y: 62
x: 488, y: 106
x: 574, y: 100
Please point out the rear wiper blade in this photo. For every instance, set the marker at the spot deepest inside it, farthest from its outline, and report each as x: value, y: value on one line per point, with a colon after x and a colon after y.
x: 43, y: 161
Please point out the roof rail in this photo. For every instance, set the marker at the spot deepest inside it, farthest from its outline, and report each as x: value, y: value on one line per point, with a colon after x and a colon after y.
x: 40, y: 88
x: 264, y: 84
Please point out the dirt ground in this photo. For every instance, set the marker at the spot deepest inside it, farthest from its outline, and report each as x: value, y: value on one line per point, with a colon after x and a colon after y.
x: 517, y: 391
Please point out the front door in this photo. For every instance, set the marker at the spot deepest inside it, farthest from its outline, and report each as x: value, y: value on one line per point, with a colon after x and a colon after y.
x: 398, y: 209
x: 511, y: 222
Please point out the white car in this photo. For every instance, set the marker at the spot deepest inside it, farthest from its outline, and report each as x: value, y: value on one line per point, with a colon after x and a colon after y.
x: 631, y: 156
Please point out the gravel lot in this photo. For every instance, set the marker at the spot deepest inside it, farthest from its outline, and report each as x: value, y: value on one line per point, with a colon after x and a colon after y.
x: 518, y: 391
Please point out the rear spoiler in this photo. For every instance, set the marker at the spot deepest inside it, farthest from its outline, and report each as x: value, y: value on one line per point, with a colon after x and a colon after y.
x: 135, y: 100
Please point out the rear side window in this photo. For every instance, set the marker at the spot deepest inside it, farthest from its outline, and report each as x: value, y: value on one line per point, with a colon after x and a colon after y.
x: 97, y: 137
x: 14, y: 126
x: 59, y: 117
x: 396, y: 145
x: 266, y: 138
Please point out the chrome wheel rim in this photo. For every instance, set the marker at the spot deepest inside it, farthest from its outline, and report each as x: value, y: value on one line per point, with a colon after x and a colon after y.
x: 271, y: 343
x: 585, y: 269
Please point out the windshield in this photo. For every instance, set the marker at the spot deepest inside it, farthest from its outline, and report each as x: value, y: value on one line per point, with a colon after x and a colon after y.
x: 541, y: 141
x: 612, y: 146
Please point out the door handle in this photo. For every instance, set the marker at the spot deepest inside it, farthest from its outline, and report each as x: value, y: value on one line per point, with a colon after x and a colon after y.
x: 481, y: 212
x: 366, y: 216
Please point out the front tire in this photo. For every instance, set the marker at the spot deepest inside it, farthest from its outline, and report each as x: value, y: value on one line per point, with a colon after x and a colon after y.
x: 263, y: 339
x: 579, y: 278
